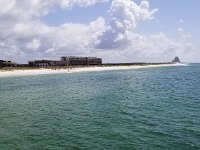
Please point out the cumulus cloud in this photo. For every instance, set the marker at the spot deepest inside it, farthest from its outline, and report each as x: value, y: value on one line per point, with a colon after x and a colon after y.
x: 33, y: 45
x: 24, y: 35
x: 150, y: 48
x: 124, y: 16
x: 120, y: 37
x: 75, y: 39
x: 68, y: 4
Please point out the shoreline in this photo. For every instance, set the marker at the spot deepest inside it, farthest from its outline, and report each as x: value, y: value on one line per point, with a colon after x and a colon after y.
x: 45, y: 71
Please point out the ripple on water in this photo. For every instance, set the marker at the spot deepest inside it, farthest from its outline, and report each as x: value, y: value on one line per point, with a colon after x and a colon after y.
x: 151, y: 108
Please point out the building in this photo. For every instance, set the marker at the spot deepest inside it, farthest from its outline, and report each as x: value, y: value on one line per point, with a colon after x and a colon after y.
x: 176, y: 60
x: 94, y: 61
x: 67, y: 61
x: 41, y: 63
x: 4, y: 63
x: 77, y: 61
x: 82, y: 61
x: 61, y: 63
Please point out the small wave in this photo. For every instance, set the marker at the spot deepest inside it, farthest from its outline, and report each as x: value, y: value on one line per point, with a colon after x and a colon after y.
x: 181, y: 64
x: 185, y: 64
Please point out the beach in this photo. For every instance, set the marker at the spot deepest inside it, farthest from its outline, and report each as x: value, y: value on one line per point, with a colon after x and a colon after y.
x: 43, y: 71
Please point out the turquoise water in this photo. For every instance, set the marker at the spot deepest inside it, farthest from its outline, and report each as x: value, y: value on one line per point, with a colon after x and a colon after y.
x: 150, y: 108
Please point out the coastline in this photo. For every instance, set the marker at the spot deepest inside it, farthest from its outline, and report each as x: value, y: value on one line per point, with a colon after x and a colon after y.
x: 45, y: 71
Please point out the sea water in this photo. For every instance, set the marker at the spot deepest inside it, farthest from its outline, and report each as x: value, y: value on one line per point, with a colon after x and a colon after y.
x: 149, y: 108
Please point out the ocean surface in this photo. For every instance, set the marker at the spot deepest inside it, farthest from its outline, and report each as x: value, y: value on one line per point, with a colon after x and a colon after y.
x: 138, y: 109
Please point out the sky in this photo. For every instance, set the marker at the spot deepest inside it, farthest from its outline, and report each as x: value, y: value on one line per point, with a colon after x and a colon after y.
x: 115, y: 30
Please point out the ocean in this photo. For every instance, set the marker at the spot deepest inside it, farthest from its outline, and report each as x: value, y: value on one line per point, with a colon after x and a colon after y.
x: 137, y: 109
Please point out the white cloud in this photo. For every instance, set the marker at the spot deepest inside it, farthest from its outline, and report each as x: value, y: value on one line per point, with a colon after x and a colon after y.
x: 120, y: 37
x: 153, y: 48
x: 124, y: 16
x: 68, y: 4
x: 33, y: 45
x: 24, y: 36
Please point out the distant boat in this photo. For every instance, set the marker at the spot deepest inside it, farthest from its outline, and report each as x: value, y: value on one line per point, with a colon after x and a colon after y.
x: 176, y: 60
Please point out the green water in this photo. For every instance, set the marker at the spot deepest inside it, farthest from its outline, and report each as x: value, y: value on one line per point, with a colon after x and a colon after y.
x: 152, y: 108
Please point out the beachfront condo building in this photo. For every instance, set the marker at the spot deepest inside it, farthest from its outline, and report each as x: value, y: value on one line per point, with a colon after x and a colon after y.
x: 76, y: 61
x: 7, y: 63
x: 67, y: 61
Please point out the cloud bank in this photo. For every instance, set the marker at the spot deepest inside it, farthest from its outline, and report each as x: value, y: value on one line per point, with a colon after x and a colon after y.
x: 124, y: 17
x: 24, y: 35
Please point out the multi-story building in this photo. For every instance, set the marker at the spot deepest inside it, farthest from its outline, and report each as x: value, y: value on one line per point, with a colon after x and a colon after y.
x: 47, y: 63
x: 94, y: 61
x: 77, y: 61
x: 82, y: 61
x: 4, y: 63
x: 61, y: 63
x: 41, y: 63
x: 67, y: 61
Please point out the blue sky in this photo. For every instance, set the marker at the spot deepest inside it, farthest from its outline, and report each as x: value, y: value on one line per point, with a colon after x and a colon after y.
x: 127, y: 30
x: 77, y: 14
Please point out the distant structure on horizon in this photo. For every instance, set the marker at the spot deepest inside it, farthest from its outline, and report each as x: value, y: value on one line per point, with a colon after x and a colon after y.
x: 8, y: 63
x: 67, y: 61
x: 176, y: 60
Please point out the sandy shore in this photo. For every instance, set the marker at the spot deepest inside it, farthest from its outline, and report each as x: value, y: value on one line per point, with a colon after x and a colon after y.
x: 30, y: 72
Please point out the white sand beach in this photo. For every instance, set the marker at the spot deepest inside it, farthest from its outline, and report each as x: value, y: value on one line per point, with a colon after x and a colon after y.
x: 43, y: 71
